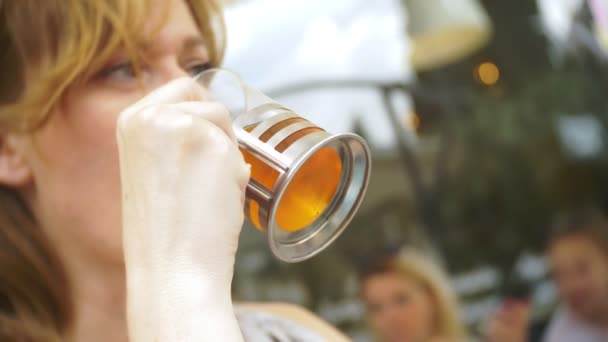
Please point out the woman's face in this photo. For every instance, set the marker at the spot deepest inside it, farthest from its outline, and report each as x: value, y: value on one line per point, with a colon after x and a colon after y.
x: 74, y: 184
x: 399, y: 309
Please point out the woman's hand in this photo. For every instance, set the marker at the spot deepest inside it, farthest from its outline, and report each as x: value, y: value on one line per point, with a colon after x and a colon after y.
x: 183, y: 183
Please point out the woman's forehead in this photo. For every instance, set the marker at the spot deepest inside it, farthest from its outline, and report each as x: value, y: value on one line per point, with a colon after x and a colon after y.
x: 171, y: 27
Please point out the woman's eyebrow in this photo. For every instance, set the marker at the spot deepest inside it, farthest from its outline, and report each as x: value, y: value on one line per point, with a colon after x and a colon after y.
x: 189, y: 43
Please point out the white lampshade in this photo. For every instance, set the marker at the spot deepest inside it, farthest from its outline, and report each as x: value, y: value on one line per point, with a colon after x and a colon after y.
x: 445, y: 31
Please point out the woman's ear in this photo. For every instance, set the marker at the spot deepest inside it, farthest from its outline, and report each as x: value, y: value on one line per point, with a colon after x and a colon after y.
x: 14, y: 169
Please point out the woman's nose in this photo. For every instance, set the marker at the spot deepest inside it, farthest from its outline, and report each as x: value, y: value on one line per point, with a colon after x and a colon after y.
x: 166, y: 72
x: 174, y: 71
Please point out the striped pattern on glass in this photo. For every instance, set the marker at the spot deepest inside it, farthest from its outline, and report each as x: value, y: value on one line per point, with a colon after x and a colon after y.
x: 312, y: 188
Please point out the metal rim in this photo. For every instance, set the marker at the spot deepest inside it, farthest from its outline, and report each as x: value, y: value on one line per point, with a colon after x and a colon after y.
x: 338, y: 215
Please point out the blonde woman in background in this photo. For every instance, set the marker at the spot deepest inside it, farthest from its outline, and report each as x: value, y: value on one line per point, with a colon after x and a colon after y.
x: 128, y: 239
x: 409, y: 299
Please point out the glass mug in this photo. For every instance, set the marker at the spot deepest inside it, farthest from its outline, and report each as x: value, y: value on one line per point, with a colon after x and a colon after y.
x: 306, y: 184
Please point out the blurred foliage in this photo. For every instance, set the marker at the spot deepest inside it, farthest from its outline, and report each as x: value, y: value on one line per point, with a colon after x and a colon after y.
x: 508, y: 173
x: 499, y: 174
x: 504, y: 174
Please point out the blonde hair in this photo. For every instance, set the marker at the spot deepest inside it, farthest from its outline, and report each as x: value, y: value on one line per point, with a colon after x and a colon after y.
x: 46, y: 47
x: 424, y: 271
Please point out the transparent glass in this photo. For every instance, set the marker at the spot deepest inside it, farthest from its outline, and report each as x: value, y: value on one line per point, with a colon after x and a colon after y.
x: 306, y: 184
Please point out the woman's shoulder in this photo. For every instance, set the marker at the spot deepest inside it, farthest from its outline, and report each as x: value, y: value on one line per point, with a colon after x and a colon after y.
x: 283, y: 321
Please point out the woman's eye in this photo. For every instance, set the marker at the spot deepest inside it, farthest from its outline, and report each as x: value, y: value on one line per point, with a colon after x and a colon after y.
x: 119, y: 72
x: 196, y: 69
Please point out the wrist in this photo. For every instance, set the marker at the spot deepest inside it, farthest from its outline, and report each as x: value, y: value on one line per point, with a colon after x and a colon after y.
x: 180, y: 307
x: 181, y: 283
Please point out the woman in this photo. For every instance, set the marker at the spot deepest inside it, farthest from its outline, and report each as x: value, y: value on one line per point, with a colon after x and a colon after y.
x: 409, y: 300
x: 77, y: 137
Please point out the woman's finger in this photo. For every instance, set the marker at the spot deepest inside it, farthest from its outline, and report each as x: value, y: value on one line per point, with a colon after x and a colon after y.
x: 214, y: 112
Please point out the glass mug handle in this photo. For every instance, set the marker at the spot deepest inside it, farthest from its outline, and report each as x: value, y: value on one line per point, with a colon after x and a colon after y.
x: 306, y: 184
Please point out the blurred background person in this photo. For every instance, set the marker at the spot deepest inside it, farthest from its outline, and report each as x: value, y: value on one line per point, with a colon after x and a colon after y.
x: 578, y: 251
x: 578, y: 255
x: 408, y: 299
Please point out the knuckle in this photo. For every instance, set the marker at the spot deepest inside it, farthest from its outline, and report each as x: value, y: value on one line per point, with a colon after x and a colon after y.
x: 133, y: 119
x: 244, y: 176
x: 221, y: 111
x: 202, y: 136
x: 216, y: 140
x: 125, y: 120
x: 190, y: 89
